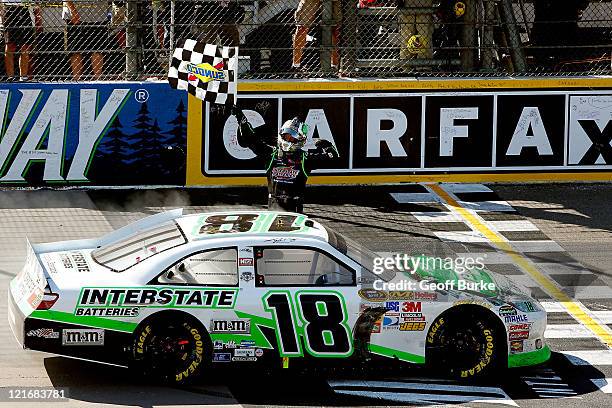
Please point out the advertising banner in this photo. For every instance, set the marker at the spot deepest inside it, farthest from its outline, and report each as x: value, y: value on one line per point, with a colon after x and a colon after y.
x: 148, y: 134
x: 92, y: 134
x: 395, y: 136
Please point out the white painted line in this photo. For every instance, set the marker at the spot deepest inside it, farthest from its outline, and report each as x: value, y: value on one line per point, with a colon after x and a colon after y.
x: 589, y: 357
x: 546, y: 383
x: 562, y: 269
x: 604, y: 316
x: 552, y: 378
x: 426, y: 398
x: 487, y: 205
x: 524, y: 280
x: 461, y: 236
x: 489, y: 258
x: 537, y: 246
x: 553, y: 391
x: 414, y: 386
x: 555, y: 307
x: 404, y: 198
x: 466, y: 188
x: 566, y: 331
x: 431, y: 216
x: 589, y: 292
x: 518, y: 225
x: 604, y: 384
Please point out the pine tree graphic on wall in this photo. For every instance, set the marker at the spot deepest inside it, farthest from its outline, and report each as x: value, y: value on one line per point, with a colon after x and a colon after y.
x: 177, y: 135
x: 112, y: 156
x: 176, y: 141
x: 147, y: 145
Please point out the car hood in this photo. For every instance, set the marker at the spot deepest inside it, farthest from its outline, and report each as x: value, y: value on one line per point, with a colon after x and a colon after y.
x: 503, y: 287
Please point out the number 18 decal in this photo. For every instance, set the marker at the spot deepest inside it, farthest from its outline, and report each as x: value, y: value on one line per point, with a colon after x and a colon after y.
x: 323, y: 319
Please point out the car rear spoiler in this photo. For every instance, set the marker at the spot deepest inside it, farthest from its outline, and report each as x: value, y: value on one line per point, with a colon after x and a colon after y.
x: 130, y: 229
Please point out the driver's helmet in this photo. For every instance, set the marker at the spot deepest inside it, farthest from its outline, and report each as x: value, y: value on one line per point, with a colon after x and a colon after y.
x: 292, y: 135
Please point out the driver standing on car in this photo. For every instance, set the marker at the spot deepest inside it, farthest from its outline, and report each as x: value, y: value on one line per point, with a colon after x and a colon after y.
x: 288, y: 163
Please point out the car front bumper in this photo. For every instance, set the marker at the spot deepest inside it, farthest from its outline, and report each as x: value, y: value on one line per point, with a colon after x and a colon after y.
x: 530, y: 358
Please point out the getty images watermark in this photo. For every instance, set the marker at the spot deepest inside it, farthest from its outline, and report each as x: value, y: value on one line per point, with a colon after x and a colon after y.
x: 438, y: 268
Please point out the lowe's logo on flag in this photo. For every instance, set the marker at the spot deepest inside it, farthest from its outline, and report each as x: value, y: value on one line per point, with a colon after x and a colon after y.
x: 207, y: 71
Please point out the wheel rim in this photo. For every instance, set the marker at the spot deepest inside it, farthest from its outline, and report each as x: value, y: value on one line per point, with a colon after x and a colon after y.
x: 463, y: 347
x: 170, y: 348
x: 460, y: 348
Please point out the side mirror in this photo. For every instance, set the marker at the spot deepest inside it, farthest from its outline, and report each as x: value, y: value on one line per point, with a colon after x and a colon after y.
x: 181, y: 267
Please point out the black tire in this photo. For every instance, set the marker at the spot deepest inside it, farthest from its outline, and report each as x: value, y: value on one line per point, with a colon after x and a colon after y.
x: 172, y: 349
x: 464, y: 344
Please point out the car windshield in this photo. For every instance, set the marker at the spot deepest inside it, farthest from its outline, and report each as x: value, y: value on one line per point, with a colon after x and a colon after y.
x: 125, y: 253
x: 358, y: 253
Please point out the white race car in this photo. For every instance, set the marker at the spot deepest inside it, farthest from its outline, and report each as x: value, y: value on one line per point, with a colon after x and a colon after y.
x: 172, y: 294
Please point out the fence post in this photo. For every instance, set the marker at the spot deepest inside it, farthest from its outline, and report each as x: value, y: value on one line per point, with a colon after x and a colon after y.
x: 488, y: 35
x: 516, y: 48
x: 131, y: 40
x: 347, y: 46
x: 469, y: 40
x: 326, y: 35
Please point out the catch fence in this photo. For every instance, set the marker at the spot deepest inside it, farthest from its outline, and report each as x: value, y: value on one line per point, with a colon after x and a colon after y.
x: 280, y: 39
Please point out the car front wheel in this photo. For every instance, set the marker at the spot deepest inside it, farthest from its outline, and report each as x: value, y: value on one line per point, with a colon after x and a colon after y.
x: 463, y: 346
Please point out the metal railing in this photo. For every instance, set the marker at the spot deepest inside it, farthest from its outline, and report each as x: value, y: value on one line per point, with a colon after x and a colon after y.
x: 133, y: 39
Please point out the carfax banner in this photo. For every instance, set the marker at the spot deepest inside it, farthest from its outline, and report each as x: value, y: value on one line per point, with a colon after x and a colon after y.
x: 92, y: 134
x: 389, y: 136
x: 120, y: 134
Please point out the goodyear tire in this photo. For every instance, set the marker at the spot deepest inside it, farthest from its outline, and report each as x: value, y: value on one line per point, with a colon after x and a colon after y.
x: 463, y: 346
x: 173, y: 351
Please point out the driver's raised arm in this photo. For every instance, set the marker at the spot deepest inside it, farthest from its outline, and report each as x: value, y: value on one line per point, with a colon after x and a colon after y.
x: 249, y: 137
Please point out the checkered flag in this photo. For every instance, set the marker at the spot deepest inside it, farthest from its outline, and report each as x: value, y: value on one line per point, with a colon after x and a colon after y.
x: 207, y: 71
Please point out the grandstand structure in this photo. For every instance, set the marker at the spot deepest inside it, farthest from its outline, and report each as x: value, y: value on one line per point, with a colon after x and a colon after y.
x: 373, y: 38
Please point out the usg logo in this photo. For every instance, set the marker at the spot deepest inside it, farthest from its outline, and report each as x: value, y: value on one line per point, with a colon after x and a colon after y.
x: 205, y: 72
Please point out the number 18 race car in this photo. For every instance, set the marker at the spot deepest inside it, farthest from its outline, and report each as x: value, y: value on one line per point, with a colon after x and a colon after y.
x: 173, y: 295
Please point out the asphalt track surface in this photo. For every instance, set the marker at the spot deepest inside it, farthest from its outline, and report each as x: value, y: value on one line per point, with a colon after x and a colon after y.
x: 564, y: 231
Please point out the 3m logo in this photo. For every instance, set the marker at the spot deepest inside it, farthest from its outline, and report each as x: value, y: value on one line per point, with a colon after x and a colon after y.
x: 83, y: 337
x: 205, y: 72
x: 411, y: 307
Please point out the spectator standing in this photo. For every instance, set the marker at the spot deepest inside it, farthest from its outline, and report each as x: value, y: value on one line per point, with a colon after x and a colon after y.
x: 416, y: 29
x: 305, y: 16
x: 555, y: 29
x: 87, y: 32
x: 20, y: 21
x: 209, y: 21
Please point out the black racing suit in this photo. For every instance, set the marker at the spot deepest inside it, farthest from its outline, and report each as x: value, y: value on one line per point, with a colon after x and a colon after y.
x: 286, y: 172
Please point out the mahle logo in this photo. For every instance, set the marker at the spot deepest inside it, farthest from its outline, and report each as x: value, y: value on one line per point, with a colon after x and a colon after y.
x: 205, y: 72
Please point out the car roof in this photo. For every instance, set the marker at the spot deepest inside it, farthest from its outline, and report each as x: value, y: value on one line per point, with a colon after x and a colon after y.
x: 263, y: 224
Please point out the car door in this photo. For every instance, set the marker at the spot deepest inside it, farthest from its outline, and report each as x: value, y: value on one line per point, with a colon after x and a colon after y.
x: 308, y: 295
x: 204, y: 283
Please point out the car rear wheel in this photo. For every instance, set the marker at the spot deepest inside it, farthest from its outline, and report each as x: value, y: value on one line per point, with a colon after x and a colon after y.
x: 464, y: 345
x: 170, y: 350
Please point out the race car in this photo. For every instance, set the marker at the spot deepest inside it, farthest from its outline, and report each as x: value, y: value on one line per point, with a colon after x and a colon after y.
x: 174, y: 295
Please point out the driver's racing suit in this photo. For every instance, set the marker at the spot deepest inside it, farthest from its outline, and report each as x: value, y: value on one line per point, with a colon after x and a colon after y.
x: 287, y: 172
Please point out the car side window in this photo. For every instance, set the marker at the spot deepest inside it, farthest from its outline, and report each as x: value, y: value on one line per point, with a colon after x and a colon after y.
x: 216, y: 267
x: 300, y: 267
